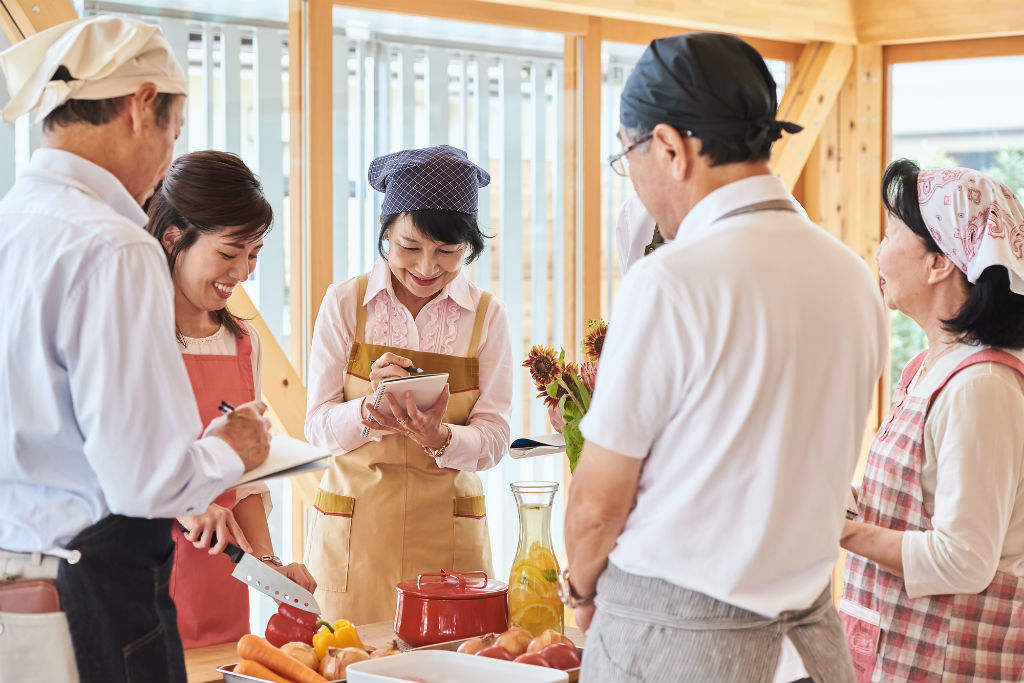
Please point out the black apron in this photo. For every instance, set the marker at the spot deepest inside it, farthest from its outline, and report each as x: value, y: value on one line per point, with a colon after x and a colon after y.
x: 119, y: 610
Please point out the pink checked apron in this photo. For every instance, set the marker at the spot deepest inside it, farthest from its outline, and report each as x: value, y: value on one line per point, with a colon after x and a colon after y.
x: 213, y: 606
x: 893, y: 637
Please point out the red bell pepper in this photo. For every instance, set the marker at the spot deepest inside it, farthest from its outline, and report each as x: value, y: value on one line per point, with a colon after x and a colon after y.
x: 291, y: 625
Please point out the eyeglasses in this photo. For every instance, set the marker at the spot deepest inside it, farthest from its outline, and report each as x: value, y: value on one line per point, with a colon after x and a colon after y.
x: 619, y: 162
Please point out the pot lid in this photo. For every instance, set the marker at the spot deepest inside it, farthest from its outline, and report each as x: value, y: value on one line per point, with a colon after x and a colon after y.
x: 452, y: 585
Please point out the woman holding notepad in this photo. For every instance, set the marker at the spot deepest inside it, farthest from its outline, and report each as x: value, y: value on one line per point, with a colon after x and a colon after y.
x: 404, y: 500
x: 210, y: 216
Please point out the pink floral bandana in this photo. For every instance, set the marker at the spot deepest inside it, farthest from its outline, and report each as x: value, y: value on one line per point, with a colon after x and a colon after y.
x: 976, y: 221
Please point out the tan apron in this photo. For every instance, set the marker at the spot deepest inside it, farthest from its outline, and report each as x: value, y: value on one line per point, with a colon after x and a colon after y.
x: 386, y: 512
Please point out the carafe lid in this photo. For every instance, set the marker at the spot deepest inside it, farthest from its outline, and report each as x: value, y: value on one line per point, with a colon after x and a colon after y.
x: 452, y: 585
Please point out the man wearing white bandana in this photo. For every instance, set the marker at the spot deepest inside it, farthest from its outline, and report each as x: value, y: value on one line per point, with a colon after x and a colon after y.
x: 98, y: 425
x: 934, y: 582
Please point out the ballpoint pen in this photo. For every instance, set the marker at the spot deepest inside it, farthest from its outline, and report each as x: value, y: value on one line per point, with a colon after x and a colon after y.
x: 225, y: 407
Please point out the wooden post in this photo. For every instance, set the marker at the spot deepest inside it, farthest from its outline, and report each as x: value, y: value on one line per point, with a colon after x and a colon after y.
x: 571, y: 200
x: 810, y: 96
x: 590, y: 79
x: 319, y: 150
x: 297, y: 34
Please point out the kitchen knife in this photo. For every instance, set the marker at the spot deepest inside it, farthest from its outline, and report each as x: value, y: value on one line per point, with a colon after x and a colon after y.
x: 266, y: 579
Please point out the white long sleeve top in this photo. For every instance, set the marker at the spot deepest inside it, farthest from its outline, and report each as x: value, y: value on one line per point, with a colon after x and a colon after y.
x: 972, y: 476
x: 97, y: 414
x: 445, y: 325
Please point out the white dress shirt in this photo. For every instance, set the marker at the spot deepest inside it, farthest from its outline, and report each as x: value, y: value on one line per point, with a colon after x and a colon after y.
x: 634, y: 230
x: 972, y: 473
x: 743, y: 375
x: 97, y: 414
x: 444, y: 326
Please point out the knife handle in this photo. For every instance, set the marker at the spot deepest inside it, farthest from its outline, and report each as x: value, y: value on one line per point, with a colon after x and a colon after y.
x: 233, y: 551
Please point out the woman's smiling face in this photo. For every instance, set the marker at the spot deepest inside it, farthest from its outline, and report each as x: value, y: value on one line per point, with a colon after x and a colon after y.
x: 418, y: 263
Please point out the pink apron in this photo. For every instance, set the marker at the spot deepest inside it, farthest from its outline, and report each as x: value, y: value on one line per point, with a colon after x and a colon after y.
x: 894, y: 637
x: 213, y: 606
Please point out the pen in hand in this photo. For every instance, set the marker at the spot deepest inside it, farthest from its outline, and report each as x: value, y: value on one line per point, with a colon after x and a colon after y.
x: 225, y: 407
x: 413, y: 370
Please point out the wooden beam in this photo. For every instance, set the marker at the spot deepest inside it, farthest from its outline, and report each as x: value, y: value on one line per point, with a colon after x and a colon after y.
x: 320, y: 155
x: 954, y: 49
x: 297, y: 35
x: 640, y: 33
x: 480, y: 11
x: 22, y: 18
x: 788, y: 20
x: 914, y: 21
x: 590, y: 80
x: 812, y: 91
x: 283, y: 389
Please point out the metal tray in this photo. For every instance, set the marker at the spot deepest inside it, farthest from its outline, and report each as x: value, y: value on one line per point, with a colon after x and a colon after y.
x: 453, y: 645
x: 228, y: 672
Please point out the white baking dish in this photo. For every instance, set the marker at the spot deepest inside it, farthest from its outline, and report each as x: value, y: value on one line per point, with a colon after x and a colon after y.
x: 436, y: 666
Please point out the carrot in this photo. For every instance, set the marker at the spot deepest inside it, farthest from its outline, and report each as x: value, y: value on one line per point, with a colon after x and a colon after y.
x: 259, y: 650
x: 247, y: 667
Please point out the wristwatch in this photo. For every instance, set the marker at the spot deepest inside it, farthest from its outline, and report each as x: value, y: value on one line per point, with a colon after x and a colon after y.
x: 569, y: 595
x: 272, y: 559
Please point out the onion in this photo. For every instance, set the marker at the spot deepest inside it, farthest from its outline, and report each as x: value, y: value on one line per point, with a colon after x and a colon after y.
x: 473, y: 645
x: 515, y: 640
x: 388, y: 651
x: 549, y: 637
x: 303, y: 652
x: 337, y: 659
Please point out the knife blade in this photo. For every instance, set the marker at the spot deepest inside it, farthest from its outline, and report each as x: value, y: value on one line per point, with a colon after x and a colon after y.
x: 266, y: 579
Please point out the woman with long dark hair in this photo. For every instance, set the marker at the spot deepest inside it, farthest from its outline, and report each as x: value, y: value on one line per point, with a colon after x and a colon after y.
x: 210, y: 216
x: 934, y: 586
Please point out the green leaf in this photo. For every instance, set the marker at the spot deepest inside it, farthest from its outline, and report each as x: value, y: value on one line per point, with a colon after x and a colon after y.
x: 561, y: 356
x: 551, y: 575
x: 552, y: 388
x: 573, y: 442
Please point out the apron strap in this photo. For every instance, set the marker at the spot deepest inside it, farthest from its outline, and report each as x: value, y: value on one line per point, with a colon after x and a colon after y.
x: 478, y: 324
x: 766, y: 205
x: 360, y: 308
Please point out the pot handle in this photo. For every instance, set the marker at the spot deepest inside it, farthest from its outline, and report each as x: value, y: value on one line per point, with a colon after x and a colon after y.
x: 447, y: 574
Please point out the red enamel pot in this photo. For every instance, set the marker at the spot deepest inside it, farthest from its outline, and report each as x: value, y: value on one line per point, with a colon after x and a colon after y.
x: 434, y: 608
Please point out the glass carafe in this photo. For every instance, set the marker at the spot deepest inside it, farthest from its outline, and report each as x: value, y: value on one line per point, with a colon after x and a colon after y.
x: 533, y: 600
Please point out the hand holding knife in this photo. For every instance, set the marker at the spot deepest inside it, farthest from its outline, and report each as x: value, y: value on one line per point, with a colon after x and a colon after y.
x: 266, y: 579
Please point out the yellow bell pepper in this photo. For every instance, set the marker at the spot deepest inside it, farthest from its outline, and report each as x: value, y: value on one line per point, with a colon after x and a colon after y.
x: 341, y: 634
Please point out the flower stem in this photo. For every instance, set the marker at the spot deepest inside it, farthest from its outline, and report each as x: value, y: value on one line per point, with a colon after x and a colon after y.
x: 571, y: 395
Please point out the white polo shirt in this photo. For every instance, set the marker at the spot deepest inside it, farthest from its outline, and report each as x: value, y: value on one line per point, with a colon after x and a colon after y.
x: 742, y: 372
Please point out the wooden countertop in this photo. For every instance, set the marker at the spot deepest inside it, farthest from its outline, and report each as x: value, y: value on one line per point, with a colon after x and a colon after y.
x: 202, y: 662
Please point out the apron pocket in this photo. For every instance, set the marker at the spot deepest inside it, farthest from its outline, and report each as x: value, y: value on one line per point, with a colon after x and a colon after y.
x: 472, y: 543
x: 328, y: 549
x: 36, y: 647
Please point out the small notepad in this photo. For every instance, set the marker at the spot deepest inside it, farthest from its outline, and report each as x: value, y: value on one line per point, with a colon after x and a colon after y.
x: 425, y: 391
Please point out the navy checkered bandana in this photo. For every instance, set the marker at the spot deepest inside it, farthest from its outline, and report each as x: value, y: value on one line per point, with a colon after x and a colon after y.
x: 439, y: 177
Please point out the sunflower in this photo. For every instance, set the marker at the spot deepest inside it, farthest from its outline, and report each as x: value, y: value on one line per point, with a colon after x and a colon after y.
x: 544, y: 365
x: 593, y: 342
x: 566, y: 371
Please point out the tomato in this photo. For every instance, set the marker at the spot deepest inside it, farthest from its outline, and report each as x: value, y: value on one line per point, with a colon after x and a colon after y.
x: 532, y: 658
x: 561, y: 656
x: 495, y: 652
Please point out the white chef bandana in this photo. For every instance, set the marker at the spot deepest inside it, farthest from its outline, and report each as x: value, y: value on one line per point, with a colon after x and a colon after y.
x: 107, y: 56
x: 975, y: 220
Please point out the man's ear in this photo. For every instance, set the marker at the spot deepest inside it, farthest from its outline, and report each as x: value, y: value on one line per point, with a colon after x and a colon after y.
x: 676, y: 149
x: 142, y: 104
x: 170, y: 237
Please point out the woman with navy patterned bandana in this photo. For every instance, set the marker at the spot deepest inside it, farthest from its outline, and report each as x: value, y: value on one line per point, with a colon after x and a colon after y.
x: 405, y: 500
